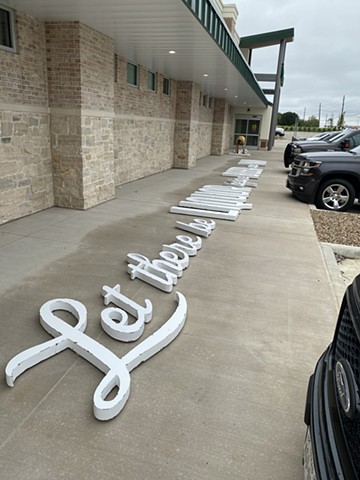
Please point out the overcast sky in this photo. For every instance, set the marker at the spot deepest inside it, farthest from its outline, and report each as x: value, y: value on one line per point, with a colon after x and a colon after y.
x: 321, y: 65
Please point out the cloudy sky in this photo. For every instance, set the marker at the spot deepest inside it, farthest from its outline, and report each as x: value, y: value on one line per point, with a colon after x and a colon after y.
x: 321, y: 65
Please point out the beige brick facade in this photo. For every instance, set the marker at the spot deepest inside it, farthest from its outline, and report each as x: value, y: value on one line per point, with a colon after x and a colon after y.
x: 72, y: 128
x: 193, y: 127
x: 26, y: 182
x: 23, y: 76
x: 143, y: 126
x: 25, y: 164
x: 80, y: 67
x: 222, y: 127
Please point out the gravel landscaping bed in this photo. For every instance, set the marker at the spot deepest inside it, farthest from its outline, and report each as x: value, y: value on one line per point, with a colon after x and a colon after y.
x: 337, y: 227
x: 342, y: 231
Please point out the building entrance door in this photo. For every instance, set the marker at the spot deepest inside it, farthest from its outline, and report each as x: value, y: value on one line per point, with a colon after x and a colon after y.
x: 249, y: 127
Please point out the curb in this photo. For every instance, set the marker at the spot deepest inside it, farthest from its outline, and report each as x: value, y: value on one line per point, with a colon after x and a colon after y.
x: 338, y: 282
x: 329, y: 250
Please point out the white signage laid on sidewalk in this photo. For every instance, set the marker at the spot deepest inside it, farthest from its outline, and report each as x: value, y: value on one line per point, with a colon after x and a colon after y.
x: 216, y: 201
x: 117, y: 370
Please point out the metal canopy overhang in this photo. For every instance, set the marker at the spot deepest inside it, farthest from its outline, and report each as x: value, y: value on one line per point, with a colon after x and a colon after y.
x: 144, y: 32
x: 267, y: 39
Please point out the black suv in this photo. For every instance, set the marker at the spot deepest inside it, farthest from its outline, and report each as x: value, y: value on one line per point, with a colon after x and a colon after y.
x: 331, y: 180
x: 332, y: 412
x: 345, y: 140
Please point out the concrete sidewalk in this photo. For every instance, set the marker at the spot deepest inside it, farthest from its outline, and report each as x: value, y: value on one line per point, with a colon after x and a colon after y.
x: 226, y: 399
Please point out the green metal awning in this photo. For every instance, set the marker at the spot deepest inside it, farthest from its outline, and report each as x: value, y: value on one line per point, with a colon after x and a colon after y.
x: 267, y: 39
x: 207, y: 15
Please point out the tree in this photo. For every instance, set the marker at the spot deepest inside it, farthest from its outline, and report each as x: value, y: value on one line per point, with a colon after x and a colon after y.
x: 288, y: 118
x: 312, y: 121
x: 340, y: 122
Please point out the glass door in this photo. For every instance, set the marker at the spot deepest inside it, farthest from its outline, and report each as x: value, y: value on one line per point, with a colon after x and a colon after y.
x: 250, y: 129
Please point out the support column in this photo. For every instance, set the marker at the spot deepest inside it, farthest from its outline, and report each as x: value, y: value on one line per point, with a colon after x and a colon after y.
x: 81, y: 98
x: 187, y: 116
x: 278, y: 85
x: 222, y: 126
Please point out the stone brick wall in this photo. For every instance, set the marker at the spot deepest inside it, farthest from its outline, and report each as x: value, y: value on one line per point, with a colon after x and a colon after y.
x: 204, y: 137
x: 230, y: 22
x: 63, y: 64
x: 72, y: 128
x: 228, y: 129
x: 182, y: 136
x: 80, y: 67
x: 98, y: 160
x: 143, y: 126
x: 194, y: 126
x: 204, y: 131
x: 97, y: 70
x: 222, y: 127
x: 26, y: 184
x: 81, y: 92
x: 139, y: 101
x: 25, y: 164
x: 67, y: 162
x: 183, y: 131
x: 23, y: 74
x: 143, y: 146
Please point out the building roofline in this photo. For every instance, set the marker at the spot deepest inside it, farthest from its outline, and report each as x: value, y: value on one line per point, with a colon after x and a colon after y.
x: 222, y: 36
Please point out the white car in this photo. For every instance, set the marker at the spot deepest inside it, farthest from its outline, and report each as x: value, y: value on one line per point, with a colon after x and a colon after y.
x: 280, y: 131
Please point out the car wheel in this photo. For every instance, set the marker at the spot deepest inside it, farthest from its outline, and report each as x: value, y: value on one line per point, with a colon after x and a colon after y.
x: 336, y: 194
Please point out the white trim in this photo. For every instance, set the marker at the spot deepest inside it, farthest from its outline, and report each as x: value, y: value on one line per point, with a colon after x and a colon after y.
x: 82, y: 111
x: 194, y: 122
x: 18, y: 107
x: 142, y: 118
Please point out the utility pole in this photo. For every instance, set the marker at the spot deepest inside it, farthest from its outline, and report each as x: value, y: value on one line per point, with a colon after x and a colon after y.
x: 341, y: 120
x: 319, y: 113
x: 343, y: 104
x: 304, y: 113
